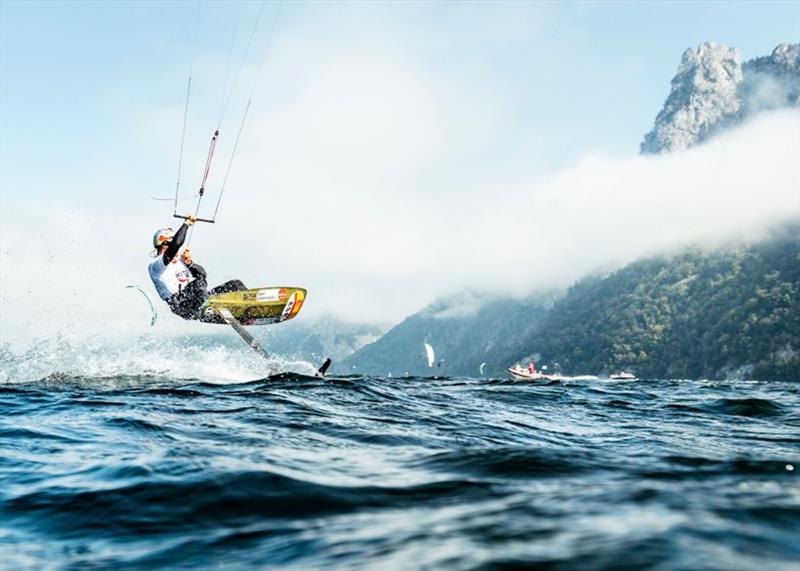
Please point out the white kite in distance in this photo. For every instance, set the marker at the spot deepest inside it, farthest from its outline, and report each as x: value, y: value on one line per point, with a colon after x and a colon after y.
x: 430, y: 354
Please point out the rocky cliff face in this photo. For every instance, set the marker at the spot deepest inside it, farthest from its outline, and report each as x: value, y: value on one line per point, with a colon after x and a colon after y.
x: 772, y: 81
x: 713, y: 89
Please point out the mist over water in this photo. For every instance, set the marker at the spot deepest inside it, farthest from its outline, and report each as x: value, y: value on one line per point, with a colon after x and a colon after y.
x: 178, y: 467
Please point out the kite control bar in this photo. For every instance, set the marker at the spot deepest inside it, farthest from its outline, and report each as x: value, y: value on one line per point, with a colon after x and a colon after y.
x: 198, y: 220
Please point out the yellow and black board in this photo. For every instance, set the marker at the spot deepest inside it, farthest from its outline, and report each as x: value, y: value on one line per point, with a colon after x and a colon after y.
x: 260, y: 306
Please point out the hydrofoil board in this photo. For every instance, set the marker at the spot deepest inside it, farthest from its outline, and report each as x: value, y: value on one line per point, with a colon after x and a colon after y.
x: 261, y: 306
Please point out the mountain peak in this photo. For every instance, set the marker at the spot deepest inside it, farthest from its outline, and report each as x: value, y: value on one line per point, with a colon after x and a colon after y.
x: 713, y: 89
x: 787, y: 55
x: 703, y: 90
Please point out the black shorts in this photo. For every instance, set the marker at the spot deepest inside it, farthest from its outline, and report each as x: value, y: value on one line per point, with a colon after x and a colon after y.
x: 189, y: 300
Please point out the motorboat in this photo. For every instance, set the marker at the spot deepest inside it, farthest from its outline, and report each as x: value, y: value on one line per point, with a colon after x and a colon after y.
x: 530, y: 374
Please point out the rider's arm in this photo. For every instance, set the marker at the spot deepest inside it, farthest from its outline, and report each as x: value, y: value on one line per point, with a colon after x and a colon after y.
x: 197, y: 270
x: 175, y: 244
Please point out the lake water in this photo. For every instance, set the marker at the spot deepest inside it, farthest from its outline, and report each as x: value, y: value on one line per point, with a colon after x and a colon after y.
x: 149, y: 471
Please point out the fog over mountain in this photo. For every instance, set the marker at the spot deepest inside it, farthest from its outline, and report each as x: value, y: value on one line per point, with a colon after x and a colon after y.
x: 730, y: 312
x: 713, y: 90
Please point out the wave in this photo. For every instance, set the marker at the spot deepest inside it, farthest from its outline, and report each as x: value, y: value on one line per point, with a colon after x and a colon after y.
x: 752, y: 407
x: 681, y: 467
x: 511, y: 462
x: 237, y: 498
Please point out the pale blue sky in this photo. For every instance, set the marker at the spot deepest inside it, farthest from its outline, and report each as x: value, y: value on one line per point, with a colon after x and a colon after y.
x: 584, y: 75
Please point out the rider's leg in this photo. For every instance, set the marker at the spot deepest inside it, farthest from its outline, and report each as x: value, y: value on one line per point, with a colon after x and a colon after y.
x: 227, y: 287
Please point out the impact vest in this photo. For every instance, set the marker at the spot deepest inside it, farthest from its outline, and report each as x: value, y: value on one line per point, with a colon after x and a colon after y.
x: 169, y: 279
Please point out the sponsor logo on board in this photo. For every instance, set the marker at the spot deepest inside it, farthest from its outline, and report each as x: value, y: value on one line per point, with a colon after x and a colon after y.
x: 268, y: 295
x: 287, y: 309
x: 298, y: 303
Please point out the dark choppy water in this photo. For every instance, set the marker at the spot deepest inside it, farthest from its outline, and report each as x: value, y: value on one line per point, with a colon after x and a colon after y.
x: 359, y: 473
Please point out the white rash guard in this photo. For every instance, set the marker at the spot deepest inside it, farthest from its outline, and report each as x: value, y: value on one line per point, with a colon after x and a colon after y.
x: 169, y: 279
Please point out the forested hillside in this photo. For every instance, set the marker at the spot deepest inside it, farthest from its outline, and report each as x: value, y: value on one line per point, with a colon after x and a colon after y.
x: 723, y: 313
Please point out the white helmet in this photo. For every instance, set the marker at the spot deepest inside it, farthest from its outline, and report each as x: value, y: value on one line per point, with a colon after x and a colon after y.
x: 161, y: 236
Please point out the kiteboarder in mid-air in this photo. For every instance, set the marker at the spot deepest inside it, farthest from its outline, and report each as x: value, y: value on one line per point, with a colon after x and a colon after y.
x: 182, y: 283
x: 179, y: 281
